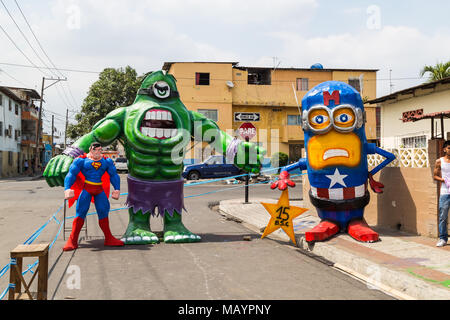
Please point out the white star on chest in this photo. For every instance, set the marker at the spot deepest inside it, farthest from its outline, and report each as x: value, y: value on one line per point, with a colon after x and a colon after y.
x: 337, y: 177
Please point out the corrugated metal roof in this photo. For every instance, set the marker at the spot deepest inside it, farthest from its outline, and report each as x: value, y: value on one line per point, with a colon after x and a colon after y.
x: 167, y: 66
x: 10, y: 94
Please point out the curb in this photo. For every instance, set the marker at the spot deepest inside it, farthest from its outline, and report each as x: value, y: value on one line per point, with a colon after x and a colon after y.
x: 396, y: 283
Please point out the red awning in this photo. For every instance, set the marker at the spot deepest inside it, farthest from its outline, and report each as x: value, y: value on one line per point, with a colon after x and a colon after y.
x: 442, y: 114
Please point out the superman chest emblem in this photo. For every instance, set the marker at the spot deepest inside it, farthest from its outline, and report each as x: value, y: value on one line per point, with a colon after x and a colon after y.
x: 96, y: 164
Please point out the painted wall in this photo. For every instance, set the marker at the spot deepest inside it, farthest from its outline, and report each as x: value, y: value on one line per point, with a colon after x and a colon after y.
x: 9, y: 118
x: 393, y: 129
x: 215, y: 96
x: 369, y: 88
x: 280, y: 92
x: 9, y: 144
x: 274, y: 102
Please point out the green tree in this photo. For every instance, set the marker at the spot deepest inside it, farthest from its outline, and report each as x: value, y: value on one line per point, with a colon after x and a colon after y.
x: 279, y: 159
x: 115, y: 88
x: 439, y: 71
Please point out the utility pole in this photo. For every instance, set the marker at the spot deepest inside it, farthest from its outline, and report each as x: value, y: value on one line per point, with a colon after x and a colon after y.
x: 65, y: 131
x: 53, y: 133
x: 39, y: 124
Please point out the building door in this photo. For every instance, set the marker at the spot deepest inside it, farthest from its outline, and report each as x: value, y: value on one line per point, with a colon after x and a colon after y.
x: 295, y: 152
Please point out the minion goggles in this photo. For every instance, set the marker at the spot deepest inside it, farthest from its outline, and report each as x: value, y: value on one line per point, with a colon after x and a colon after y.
x: 358, y: 115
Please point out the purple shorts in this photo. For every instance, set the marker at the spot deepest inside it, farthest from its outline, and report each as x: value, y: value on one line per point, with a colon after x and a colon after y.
x: 147, y: 195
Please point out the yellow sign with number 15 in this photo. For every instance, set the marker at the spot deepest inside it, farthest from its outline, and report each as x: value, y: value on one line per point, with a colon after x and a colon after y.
x: 282, y: 215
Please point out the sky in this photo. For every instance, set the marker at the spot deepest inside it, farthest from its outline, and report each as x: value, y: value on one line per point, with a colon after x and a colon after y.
x: 396, y: 37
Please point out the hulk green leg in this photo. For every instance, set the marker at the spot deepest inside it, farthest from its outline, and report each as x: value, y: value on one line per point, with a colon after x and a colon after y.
x: 138, y: 231
x: 175, y: 231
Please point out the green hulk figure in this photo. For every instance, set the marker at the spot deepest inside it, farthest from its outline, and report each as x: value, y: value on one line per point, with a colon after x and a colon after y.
x: 155, y: 131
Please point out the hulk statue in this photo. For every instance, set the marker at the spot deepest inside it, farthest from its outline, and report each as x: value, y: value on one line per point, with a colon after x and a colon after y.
x: 155, y: 131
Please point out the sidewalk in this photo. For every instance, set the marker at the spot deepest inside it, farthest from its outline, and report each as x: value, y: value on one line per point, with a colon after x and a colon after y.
x: 403, y: 265
x: 36, y: 176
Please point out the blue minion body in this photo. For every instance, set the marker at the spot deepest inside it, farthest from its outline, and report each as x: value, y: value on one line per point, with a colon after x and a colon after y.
x: 333, y: 119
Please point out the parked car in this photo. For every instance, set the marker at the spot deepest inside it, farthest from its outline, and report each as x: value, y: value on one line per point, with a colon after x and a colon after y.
x: 213, y: 167
x: 121, y: 164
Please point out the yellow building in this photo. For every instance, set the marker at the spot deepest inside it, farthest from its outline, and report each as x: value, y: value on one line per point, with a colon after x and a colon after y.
x: 231, y: 95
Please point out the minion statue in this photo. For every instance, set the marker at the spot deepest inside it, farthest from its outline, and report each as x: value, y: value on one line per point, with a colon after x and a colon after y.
x: 333, y: 120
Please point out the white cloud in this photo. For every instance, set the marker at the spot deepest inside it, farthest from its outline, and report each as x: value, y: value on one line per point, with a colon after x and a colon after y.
x: 144, y: 34
x: 405, y: 50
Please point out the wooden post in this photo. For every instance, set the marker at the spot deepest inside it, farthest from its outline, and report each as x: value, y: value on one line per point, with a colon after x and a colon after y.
x: 42, y: 277
x: 432, y: 128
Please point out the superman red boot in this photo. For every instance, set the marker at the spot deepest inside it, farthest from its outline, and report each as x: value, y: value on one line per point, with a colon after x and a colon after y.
x: 322, y: 231
x: 109, y: 238
x: 72, y: 242
x: 359, y: 230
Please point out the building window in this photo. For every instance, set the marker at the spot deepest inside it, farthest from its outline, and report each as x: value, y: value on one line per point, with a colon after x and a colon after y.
x: 9, y: 104
x: 17, y: 109
x: 201, y: 79
x: 1, y: 100
x: 10, y: 128
x: 294, y: 120
x: 354, y: 82
x: 414, y: 142
x: 211, y: 114
x: 302, y: 84
x: 259, y: 76
x: 1, y: 129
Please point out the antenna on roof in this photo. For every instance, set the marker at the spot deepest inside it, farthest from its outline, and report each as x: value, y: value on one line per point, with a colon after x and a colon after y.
x: 275, y: 65
x: 296, y: 100
x: 391, y: 86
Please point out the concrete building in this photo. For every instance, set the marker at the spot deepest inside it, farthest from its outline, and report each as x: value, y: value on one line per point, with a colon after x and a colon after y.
x: 231, y: 95
x: 10, y: 132
x: 18, y: 123
x: 399, y: 110
x: 29, y: 124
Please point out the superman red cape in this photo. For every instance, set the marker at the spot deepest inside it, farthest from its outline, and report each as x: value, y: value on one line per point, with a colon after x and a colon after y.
x: 78, y: 186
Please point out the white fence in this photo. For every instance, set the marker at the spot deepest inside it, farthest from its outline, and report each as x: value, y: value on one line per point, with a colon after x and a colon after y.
x: 404, y: 157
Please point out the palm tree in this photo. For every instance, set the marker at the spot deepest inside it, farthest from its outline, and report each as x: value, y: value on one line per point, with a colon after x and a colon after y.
x: 439, y: 71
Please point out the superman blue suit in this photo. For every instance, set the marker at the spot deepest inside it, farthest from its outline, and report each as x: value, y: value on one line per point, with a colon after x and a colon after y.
x: 87, y: 178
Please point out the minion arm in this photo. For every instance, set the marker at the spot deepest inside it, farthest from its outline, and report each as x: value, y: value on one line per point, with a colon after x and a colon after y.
x: 373, y: 149
x: 300, y: 164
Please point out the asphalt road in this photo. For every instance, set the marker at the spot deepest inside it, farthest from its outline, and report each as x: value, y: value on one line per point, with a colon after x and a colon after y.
x: 222, y: 266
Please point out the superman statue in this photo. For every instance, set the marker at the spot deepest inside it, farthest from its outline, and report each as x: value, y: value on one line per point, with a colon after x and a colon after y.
x: 88, y: 180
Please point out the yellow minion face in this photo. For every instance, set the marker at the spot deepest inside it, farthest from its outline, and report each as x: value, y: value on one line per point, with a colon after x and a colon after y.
x: 335, y: 148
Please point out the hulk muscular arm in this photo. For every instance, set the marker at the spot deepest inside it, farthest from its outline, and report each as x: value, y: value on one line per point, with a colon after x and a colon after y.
x: 249, y: 156
x: 105, y: 132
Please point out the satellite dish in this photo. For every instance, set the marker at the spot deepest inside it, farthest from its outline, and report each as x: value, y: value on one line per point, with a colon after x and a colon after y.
x: 230, y: 84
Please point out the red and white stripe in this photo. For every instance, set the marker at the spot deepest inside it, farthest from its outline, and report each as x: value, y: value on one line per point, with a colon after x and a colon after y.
x: 339, y: 193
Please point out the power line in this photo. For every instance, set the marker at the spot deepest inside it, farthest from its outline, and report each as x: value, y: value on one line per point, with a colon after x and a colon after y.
x: 40, y: 67
x: 45, y: 53
x: 23, y: 35
x: 37, y: 40
x: 15, y: 79
x: 20, y: 50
